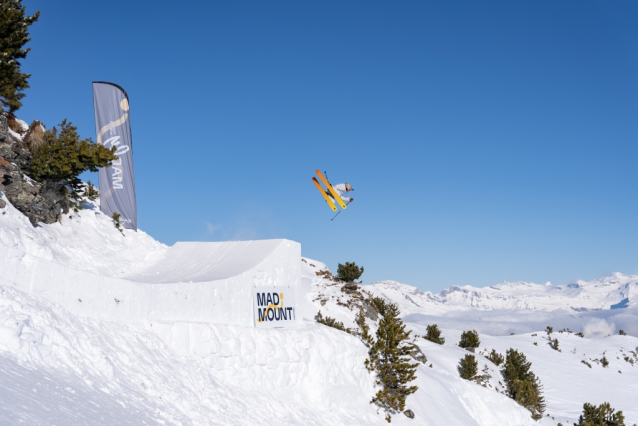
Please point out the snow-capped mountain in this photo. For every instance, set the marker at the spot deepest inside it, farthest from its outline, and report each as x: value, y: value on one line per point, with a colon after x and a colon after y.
x: 614, y: 291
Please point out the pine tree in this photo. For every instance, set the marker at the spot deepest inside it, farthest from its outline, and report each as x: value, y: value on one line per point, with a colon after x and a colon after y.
x: 349, y: 272
x: 389, y: 358
x: 495, y: 357
x: 14, y: 34
x: 549, y: 330
x: 470, y: 340
x: 64, y: 156
x: 604, y: 362
x: 468, y: 367
x: 603, y: 415
x: 522, y: 385
x: 434, y: 334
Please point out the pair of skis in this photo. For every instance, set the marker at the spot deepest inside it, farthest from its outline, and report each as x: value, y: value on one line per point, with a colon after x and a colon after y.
x: 332, y: 191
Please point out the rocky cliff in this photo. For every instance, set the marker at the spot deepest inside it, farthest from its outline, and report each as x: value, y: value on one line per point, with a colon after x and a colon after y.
x: 39, y: 201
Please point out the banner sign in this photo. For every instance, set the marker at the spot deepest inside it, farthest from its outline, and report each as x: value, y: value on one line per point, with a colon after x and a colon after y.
x: 113, y: 128
x: 274, y: 306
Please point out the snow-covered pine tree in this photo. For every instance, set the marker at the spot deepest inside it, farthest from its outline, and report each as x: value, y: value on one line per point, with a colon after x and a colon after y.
x: 468, y: 367
x: 14, y: 34
x: 434, y: 334
x: 390, y: 359
x: 602, y: 415
x: 522, y: 385
x: 470, y: 340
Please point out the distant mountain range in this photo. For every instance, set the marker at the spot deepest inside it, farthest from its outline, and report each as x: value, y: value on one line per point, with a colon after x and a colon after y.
x: 614, y: 291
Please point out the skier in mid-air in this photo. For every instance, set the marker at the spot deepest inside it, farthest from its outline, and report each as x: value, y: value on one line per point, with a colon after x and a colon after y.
x: 340, y: 188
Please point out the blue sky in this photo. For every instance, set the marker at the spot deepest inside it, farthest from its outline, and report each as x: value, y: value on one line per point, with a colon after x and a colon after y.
x: 486, y: 141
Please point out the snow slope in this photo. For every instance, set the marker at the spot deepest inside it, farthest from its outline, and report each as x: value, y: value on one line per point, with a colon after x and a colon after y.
x: 64, y: 367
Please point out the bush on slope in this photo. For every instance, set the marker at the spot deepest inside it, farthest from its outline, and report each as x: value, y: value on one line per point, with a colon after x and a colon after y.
x: 603, y: 415
x: 522, y: 385
x: 468, y: 367
x: 434, y: 334
x: 470, y: 340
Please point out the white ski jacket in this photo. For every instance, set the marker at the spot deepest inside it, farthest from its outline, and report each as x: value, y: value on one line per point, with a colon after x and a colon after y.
x: 340, y: 189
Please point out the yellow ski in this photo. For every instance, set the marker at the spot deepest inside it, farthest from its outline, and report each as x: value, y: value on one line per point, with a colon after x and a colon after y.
x: 328, y: 200
x: 332, y: 191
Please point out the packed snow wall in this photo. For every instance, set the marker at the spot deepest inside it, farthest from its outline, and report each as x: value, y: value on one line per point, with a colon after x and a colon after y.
x: 191, y: 282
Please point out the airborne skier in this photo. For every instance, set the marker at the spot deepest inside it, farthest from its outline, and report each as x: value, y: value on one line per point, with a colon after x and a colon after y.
x: 333, y: 193
x: 340, y: 188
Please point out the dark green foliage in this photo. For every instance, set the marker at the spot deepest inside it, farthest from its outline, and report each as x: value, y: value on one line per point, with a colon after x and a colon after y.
x: 470, y: 339
x: 331, y: 322
x: 380, y: 304
x: 495, y: 357
x: 580, y: 334
x: 390, y: 360
x: 14, y: 34
x: 349, y: 272
x: 604, y: 361
x: 622, y: 332
x: 91, y: 192
x: 602, y: 415
x: 549, y: 330
x: 365, y: 329
x: 434, y: 334
x: 468, y: 367
x: 65, y: 156
x: 554, y: 344
x: 522, y: 385
x: 116, y: 219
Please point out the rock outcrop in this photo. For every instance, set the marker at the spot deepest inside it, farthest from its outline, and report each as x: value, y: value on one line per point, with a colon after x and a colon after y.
x: 39, y: 201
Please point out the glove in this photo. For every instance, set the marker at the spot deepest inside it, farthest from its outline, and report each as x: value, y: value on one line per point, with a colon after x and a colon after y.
x: 351, y: 199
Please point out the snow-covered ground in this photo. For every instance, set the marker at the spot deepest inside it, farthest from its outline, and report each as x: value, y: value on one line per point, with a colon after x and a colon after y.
x: 60, y: 367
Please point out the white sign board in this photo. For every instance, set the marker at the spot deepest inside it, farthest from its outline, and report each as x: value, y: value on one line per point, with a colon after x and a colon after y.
x: 274, y: 306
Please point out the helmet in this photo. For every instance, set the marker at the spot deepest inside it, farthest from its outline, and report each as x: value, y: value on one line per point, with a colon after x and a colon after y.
x: 348, y: 187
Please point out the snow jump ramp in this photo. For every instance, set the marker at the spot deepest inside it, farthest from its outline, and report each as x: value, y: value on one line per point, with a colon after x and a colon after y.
x: 192, y: 282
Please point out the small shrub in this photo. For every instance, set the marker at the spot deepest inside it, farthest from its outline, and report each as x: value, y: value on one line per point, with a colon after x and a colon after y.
x: 586, y: 363
x: 602, y: 415
x: 434, y: 334
x: 622, y: 332
x: 91, y: 191
x: 549, y: 330
x: 580, y: 334
x: 349, y: 272
x: 468, y: 367
x: 330, y: 322
x: 554, y: 344
x: 604, y: 361
x: 116, y: 220
x: 495, y: 357
x: 470, y: 340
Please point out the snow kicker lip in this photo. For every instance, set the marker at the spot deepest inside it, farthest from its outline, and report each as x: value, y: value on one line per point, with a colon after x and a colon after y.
x: 204, y: 262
